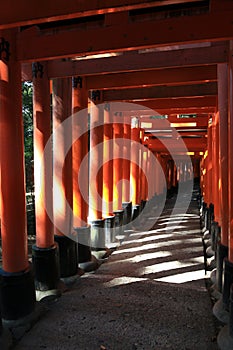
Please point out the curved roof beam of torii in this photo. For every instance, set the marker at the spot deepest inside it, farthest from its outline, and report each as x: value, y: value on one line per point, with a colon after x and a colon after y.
x: 169, y: 76
x: 34, y: 44
x: 134, y: 61
x: 24, y: 12
x: 142, y: 94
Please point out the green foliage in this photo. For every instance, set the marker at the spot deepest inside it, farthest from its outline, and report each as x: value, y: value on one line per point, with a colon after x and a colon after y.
x: 27, y: 94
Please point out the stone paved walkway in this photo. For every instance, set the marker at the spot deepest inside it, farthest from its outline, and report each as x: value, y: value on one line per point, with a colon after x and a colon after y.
x: 150, y: 294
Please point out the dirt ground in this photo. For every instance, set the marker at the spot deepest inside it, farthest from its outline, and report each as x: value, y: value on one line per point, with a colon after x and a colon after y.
x: 150, y: 294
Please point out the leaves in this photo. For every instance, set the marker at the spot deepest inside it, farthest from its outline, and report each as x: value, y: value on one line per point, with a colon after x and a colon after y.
x: 27, y: 94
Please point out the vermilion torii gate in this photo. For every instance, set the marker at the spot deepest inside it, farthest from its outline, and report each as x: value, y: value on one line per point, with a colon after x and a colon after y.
x: 197, y: 79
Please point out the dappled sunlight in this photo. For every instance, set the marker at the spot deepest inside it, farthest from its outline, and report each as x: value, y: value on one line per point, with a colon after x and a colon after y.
x: 144, y: 233
x: 172, y: 222
x: 158, y: 245
x: 171, y: 265
x: 148, y: 256
x: 171, y: 252
x: 183, y: 277
x: 123, y: 280
x: 148, y: 238
x: 158, y: 255
x: 170, y: 228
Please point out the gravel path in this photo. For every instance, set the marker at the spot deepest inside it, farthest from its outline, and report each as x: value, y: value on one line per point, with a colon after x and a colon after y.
x: 150, y: 294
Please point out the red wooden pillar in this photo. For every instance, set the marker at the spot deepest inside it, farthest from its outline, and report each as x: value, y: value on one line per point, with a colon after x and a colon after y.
x: 230, y: 156
x: 96, y: 171
x: 144, y: 187
x: 17, y: 286
x: 205, y: 161
x: 222, y: 246
x: 226, y: 335
x: 46, y: 274
x: 215, y: 147
x: 148, y: 171
x: 118, y: 133
x: 158, y: 177
x: 80, y: 151
x: 134, y: 169
x: 209, y: 164
x: 174, y: 179
x: 108, y: 163
x: 80, y: 168
x: 126, y: 202
x: 140, y: 179
x: 108, y: 177
x: 62, y: 176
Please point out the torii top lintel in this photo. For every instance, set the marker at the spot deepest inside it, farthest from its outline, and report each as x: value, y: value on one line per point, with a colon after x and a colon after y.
x: 34, y: 44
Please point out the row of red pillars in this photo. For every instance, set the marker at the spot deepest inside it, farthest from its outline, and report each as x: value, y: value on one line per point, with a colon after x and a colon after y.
x: 217, y: 192
x: 64, y: 207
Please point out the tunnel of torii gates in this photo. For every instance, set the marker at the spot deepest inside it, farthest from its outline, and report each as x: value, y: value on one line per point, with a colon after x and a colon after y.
x: 153, y: 110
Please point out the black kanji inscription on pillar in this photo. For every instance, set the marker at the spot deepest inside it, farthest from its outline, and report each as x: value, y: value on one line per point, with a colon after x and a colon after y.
x: 107, y: 107
x: 77, y: 82
x: 95, y: 95
x: 37, y: 70
x: 4, y: 50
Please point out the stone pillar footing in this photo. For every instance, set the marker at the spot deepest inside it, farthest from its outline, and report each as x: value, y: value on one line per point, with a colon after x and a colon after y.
x: 213, y: 276
x: 214, y: 232
x: 46, y: 271
x: 215, y: 294
x: 220, y: 312
x: 227, y: 282
x: 225, y: 341
x: 221, y: 254
x: 17, y: 295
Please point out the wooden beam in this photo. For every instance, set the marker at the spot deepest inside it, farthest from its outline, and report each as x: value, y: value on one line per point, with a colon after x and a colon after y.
x: 201, y: 121
x: 134, y: 61
x: 207, y: 89
x: 169, y: 76
x: 35, y: 45
x: 199, y: 105
x: 192, y: 145
x: 179, y: 103
x: 25, y: 12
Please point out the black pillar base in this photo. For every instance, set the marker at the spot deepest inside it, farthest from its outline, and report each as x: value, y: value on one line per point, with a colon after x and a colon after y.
x: 225, y: 341
x: 97, y: 235
x: 225, y: 336
x: 110, y: 232
x: 67, y: 253
x: 136, y: 209
x: 127, y: 206
x: 84, y: 243
x: 207, y: 219
x: 231, y: 313
x: 202, y: 212
x: 17, y: 295
x: 46, y: 269
x: 6, y: 340
x: 154, y: 200
x: 214, y: 234
x: 227, y: 282
x: 221, y: 254
x: 143, y: 204
x: 119, y: 229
